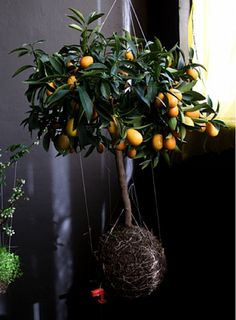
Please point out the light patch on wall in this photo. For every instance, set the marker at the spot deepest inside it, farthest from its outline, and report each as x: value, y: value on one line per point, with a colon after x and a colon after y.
x: 61, y: 207
x: 214, y: 35
x: 126, y: 15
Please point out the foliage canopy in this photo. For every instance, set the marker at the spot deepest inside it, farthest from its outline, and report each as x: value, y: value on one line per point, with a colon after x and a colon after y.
x: 122, y: 83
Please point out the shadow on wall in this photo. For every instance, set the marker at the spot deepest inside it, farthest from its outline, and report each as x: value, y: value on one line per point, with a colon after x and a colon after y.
x: 54, y: 243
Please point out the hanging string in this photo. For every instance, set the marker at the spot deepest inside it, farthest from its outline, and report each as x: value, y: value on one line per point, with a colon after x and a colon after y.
x: 134, y: 197
x: 156, y: 206
x: 86, y: 203
x: 138, y: 22
x: 11, y: 219
x: 106, y: 17
x: 132, y: 26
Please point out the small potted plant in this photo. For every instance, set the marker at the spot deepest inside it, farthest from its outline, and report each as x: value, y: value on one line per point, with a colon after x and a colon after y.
x: 10, y: 268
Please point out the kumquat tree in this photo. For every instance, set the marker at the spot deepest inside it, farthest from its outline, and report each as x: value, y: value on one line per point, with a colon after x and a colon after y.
x: 117, y: 93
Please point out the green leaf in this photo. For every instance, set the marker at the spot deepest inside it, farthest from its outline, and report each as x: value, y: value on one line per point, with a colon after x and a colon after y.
x: 156, y: 46
x: 57, y: 96
x: 132, y: 47
x: 172, y: 122
x: 86, y: 102
x: 97, y: 66
x: 74, y: 18
x: 182, y: 132
x: 156, y: 160
x: 140, y: 93
x: 94, y: 16
x: 21, y: 69
x: 117, y: 44
x: 191, y: 53
x: 151, y: 91
x: 193, y: 96
x: 78, y: 14
x: 105, y: 89
x: 57, y: 64
x: 75, y: 26
x: 219, y: 123
x: 145, y: 163
x: 21, y: 51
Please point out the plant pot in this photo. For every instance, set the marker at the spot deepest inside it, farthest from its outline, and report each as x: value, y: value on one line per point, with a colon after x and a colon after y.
x: 133, y: 261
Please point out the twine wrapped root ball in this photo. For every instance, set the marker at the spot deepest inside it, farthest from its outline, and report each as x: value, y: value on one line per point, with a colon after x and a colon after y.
x: 133, y: 261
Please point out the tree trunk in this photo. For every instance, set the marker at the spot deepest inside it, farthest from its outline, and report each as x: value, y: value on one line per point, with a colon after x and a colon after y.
x: 124, y: 188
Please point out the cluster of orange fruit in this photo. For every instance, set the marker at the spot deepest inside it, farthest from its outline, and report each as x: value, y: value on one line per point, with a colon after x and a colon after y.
x: 63, y: 143
x: 133, y: 137
x: 85, y: 62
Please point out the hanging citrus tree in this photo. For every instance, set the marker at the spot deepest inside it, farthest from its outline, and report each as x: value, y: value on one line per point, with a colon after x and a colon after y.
x: 118, y: 93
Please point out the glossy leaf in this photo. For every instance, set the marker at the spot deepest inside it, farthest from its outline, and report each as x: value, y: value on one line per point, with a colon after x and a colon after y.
x: 86, y: 102
x: 57, y: 96
x: 21, y: 69
x: 105, y: 89
x: 78, y: 14
x: 94, y: 16
x: 75, y: 26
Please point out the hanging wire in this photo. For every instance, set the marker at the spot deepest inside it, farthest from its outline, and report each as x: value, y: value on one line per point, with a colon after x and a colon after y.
x: 106, y: 17
x: 86, y: 203
x: 134, y: 197
x: 138, y: 22
x: 156, y: 205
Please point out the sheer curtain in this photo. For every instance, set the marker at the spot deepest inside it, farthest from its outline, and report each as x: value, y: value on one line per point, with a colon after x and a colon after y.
x: 212, y: 33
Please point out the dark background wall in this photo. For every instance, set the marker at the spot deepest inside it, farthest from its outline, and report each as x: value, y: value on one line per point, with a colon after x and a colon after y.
x: 195, y: 197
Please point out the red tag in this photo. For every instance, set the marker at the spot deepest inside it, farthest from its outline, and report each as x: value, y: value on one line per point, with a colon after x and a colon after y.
x: 99, y: 292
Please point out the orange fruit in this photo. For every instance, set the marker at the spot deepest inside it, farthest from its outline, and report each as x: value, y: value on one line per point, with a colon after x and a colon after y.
x: 100, y: 148
x: 70, y: 128
x: 211, y: 130
x: 170, y: 143
x: 131, y: 153
x: 86, y: 61
x: 112, y: 128
x: 121, y: 145
x: 71, y: 67
x: 52, y: 86
x: 123, y: 73
x: 158, y: 102
x: 173, y: 96
x: 71, y: 81
x: 134, y: 137
x: 177, y: 93
x: 129, y: 55
x: 173, y: 112
x: 192, y: 73
x: 157, y: 142
x: 193, y: 114
x: 62, y: 142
